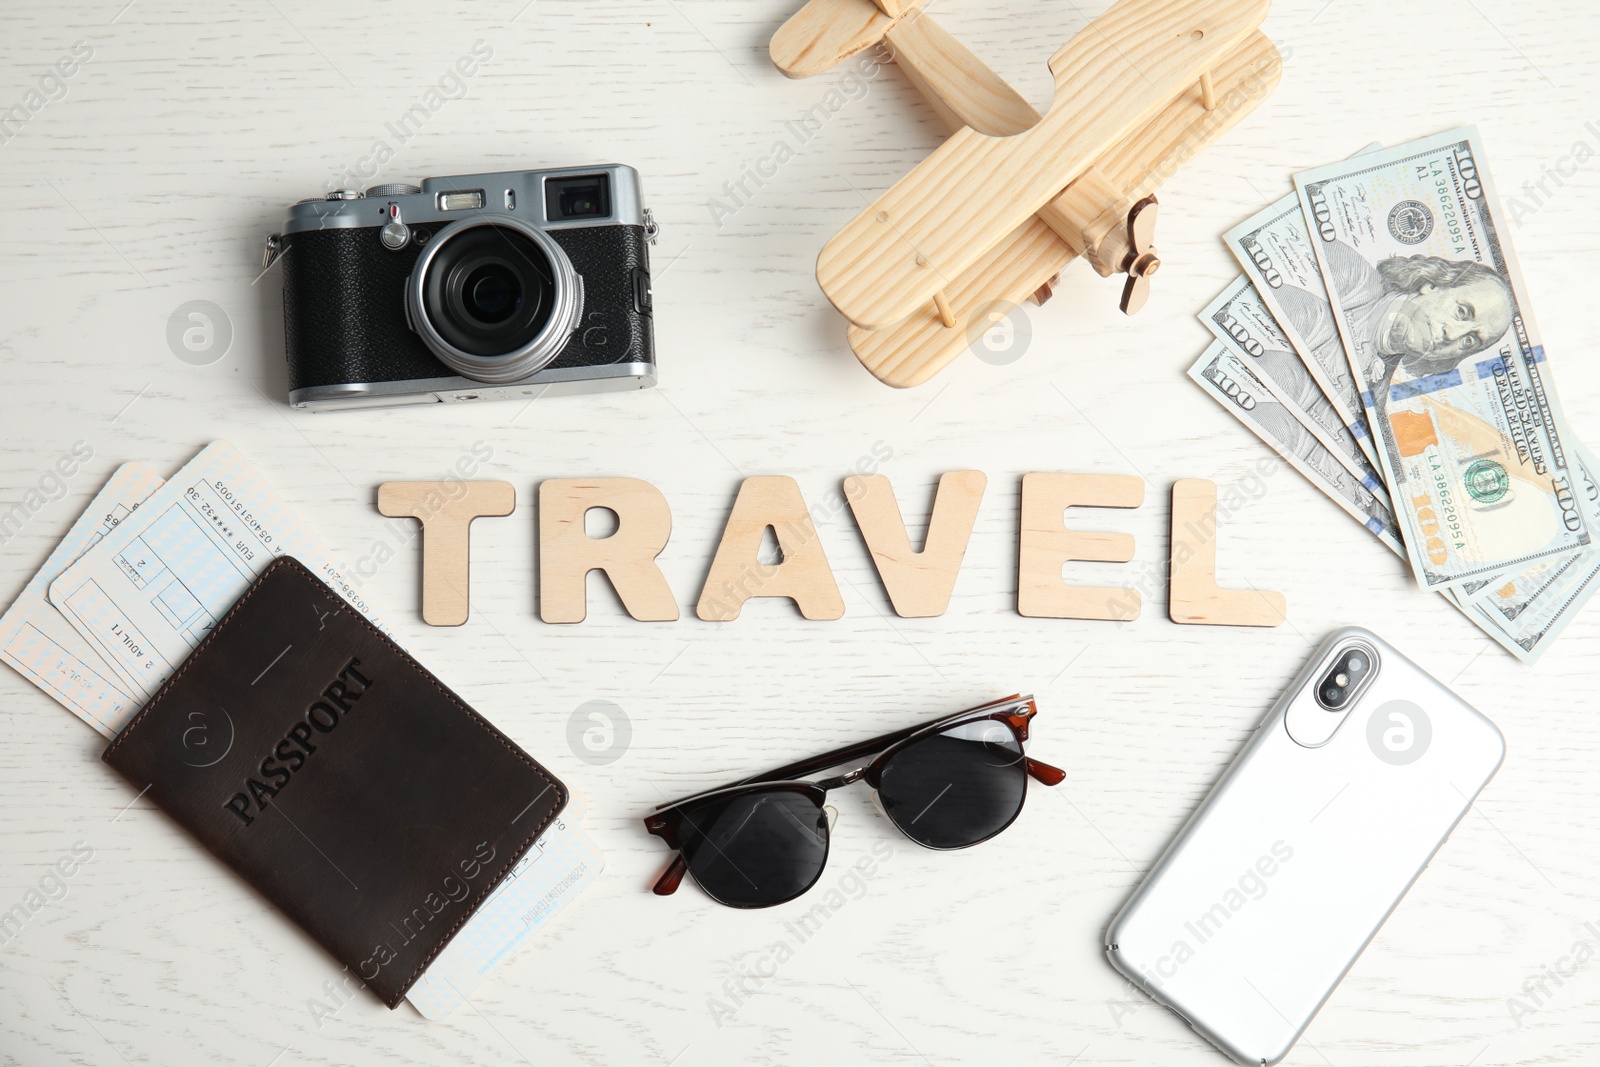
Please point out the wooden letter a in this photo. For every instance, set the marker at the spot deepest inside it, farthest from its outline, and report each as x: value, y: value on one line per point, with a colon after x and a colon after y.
x: 737, y: 573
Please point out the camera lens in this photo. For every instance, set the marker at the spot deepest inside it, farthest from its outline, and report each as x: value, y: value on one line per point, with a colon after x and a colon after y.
x: 1356, y: 663
x: 491, y: 293
x: 489, y: 290
x: 494, y: 298
x: 1331, y: 695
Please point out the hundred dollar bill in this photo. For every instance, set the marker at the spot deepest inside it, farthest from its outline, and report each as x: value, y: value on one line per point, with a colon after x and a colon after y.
x: 1541, y: 618
x: 1535, y: 575
x: 1438, y: 329
x: 1274, y: 247
x: 1524, y: 613
x: 1527, y: 611
x: 1243, y: 324
x: 1235, y: 386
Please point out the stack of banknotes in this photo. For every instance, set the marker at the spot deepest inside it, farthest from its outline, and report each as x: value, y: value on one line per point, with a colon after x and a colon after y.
x: 1381, y: 339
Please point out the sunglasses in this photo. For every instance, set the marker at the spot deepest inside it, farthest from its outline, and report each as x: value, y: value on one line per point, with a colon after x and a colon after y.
x: 951, y: 783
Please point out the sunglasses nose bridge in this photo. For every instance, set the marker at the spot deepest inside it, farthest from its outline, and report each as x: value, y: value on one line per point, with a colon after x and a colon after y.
x: 843, y: 779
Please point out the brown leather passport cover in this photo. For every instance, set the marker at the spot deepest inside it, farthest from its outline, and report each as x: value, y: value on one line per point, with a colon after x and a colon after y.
x: 319, y: 761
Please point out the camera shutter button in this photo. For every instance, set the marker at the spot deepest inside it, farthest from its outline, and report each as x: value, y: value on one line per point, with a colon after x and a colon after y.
x: 395, y: 234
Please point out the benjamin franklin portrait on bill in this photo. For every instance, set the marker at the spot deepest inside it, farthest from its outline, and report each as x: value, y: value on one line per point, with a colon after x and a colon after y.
x: 1419, y: 314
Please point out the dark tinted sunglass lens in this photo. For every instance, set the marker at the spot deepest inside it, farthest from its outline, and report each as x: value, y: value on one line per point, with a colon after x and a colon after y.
x: 754, y: 850
x: 957, y: 787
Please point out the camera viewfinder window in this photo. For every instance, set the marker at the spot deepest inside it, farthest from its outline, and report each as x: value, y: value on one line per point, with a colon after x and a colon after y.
x: 586, y: 196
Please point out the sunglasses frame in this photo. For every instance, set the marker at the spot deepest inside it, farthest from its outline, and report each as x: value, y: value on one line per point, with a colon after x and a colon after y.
x: 1014, y: 711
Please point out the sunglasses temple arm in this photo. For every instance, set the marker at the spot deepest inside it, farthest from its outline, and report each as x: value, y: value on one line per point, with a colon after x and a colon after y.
x: 1044, y: 773
x: 860, y: 750
x: 672, y: 877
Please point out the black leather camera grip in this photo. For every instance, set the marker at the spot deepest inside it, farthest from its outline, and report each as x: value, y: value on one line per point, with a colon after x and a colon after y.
x: 344, y: 314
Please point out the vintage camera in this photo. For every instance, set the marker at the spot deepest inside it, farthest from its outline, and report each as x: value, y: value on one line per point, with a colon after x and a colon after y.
x: 472, y: 287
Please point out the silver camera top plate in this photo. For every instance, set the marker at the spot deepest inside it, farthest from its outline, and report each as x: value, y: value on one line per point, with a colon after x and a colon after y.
x: 512, y: 192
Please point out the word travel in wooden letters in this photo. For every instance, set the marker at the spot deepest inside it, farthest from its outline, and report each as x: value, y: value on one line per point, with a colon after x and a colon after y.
x: 918, y: 582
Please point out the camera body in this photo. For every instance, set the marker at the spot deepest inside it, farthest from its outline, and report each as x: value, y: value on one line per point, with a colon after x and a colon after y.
x: 470, y: 287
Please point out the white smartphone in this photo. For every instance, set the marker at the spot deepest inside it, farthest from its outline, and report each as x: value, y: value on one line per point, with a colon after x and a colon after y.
x: 1286, y: 871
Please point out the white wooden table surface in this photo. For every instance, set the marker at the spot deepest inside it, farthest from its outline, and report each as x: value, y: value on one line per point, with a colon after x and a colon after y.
x: 150, y: 181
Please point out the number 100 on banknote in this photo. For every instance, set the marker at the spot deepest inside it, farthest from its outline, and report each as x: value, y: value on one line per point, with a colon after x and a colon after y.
x: 1433, y: 312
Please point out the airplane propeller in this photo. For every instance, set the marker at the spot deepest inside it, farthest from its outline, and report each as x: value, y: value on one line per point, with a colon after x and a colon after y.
x: 1141, y: 261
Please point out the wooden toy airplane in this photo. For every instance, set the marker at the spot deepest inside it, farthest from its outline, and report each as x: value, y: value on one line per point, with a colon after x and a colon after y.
x: 997, y: 211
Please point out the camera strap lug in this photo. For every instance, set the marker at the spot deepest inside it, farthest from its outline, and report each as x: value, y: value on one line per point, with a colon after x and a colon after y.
x: 650, y: 226
x: 274, y: 247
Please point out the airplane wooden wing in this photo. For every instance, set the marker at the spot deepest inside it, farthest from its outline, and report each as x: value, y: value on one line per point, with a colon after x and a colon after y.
x: 961, y: 88
x: 996, y: 212
x: 827, y: 32
x: 918, y: 347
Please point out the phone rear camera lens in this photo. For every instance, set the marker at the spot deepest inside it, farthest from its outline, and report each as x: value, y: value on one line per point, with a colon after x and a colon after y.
x: 1345, y: 679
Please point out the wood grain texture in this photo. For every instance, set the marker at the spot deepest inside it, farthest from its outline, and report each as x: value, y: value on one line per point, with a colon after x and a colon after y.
x: 1046, y: 545
x: 1194, y: 597
x: 1091, y: 217
x: 913, y: 351
x: 176, y: 149
x: 919, y: 581
x: 824, y: 33
x: 769, y: 503
x: 960, y: 87
x: 938, y: 220
x: 627, y: 556
x: 445, y: 511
